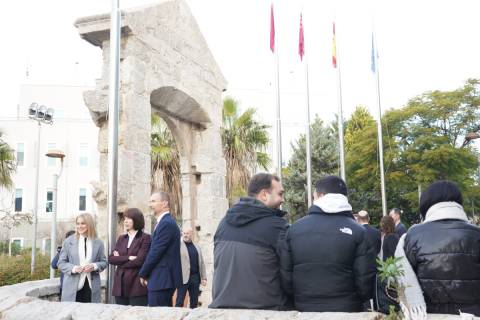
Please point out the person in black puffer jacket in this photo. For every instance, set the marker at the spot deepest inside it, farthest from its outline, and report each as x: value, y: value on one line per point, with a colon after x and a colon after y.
x: 444, y: 252
x: 246, y: 271
x: 327, y: 263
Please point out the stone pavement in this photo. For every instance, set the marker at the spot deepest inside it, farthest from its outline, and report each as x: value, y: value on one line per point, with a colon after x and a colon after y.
x: 29, y: 301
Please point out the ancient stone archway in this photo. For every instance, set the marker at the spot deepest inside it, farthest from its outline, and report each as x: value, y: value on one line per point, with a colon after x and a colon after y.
x: 166, y: 67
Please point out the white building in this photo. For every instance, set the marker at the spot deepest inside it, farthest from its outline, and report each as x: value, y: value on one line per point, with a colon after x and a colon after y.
x: 75, y: 134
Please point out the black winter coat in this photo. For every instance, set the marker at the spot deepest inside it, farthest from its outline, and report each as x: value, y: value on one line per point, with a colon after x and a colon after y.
x: 389, y: 245
x: 327, y: 263
x: 374, y: 236
x: 445, y: 255
x: 246, y: 263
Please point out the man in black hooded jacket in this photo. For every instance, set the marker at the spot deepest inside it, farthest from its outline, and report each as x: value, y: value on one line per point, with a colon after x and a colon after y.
x: 246, y: 265
x: 327, y: 262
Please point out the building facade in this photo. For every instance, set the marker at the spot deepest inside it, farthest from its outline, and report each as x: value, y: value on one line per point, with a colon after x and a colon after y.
x: 73, y: 132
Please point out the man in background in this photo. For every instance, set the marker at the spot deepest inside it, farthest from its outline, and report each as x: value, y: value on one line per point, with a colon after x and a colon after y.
x: 373, y: 234
x: 193, y: 270
x: 400, y: 228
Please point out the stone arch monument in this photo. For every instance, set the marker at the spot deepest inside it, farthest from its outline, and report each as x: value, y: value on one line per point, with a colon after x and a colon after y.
x: 165, y: 67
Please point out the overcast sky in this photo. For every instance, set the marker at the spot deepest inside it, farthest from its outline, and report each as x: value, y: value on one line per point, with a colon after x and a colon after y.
x: 423, y: 45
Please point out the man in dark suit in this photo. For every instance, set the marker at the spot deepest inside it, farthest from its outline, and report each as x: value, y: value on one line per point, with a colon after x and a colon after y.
x: 400, y: 228
x: 373, y: 234
x: 161, y: 272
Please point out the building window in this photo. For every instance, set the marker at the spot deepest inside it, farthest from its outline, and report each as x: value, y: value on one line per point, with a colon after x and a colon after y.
x: 51, y: 162
x: 18, y: 200
x: 49, y: 203
x: 82, y: 199
x: 17, y: 241
x: 83, y: 155
x: 20, y: 154
x: 46, y: 245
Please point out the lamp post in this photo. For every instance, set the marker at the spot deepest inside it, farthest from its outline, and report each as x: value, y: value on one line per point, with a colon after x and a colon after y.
x: 41, y: 114
x: 53, y: 236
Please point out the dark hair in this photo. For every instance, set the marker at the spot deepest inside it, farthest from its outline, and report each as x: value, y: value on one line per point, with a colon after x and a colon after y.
x: 387, y: 225
x: 69, y: 233
x: 331, y: 184
x: 137, y: 216
x: 259, y: 182
x: 397, y: 211
x: 439, y: 191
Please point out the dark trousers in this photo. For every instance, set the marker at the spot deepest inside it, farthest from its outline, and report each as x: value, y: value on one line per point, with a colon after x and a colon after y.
x: 84, y: 294
x: 160, y: 298
x: 132, y: 301
x: 193, y: 288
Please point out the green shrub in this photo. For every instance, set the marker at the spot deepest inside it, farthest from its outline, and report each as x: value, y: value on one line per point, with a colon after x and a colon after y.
x: 4, y: 248
x: 16, y: 269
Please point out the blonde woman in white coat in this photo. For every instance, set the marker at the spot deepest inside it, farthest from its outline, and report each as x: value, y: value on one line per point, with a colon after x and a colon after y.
x: 81, y: 260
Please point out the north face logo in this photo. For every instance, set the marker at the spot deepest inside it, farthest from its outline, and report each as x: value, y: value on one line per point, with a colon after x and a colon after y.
x: 346, y: 230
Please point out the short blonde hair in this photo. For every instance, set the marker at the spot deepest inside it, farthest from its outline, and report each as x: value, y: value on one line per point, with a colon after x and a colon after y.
x: 88, y: 219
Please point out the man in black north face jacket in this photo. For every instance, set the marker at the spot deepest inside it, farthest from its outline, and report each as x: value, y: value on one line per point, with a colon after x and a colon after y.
x: 246, y: 265
x: 327, y: 262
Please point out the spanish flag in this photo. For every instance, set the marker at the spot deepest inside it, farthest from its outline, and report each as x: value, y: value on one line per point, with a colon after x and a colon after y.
x: 334, y: 48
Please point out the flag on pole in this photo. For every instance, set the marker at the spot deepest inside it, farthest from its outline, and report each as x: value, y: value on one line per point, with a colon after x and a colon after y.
x: 373, y: 65
x: 301, y: 40
x: 272, y: 30
x: 334, y: 48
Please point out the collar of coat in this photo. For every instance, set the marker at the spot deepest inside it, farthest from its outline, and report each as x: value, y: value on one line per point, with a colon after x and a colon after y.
x: 317, y: 210
x: 333, y: 203
x: 445, y: 210
x: 138, y: 235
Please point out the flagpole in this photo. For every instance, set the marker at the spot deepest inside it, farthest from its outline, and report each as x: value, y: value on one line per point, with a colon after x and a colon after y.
x: 375, y: 68
x: 274, y: 48
x: 113, y: 120
x: 307, y: 140
x: 279, y: 119
x: 340, y: 109
x: 301, y: 52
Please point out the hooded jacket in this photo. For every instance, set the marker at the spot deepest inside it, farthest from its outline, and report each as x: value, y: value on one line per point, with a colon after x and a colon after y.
x: 246, y: 265
x: 328, y: 265
x: 444, y: 252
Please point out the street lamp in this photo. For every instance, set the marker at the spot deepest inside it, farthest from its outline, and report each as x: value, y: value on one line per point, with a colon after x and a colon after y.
x: 53, y: 237
x: 41, y: 114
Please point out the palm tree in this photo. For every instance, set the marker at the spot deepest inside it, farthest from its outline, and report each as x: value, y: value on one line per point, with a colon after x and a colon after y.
x: 165, y: 164
x: 244, y: 141
x: 8, y: 165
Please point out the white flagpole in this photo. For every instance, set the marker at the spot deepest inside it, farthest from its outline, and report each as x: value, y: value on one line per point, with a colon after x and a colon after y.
x: 340, y: 112
x: 379, y: 124
x: 279, y: 119
x: 113, y: 122
x: 307, y: 140
x: 307, y: 128
x: 274, y: 48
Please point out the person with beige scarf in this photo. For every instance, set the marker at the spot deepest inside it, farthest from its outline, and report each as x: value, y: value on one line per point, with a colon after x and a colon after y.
x: 440, y: 257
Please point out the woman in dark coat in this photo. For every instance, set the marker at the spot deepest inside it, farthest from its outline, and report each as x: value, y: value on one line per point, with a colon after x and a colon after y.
x: 444, y: 252
x: 389, y: 244
x: 389, y: 237
x: 129, y: 255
